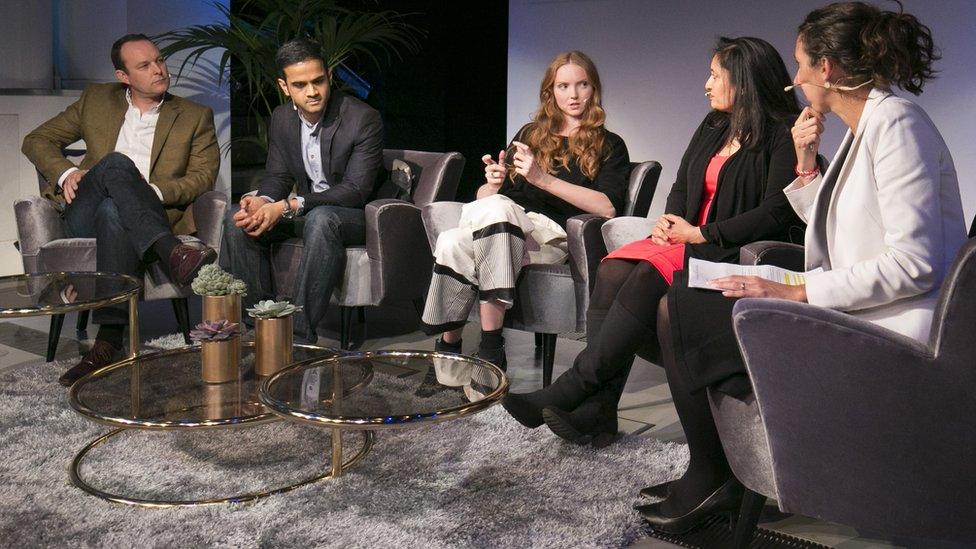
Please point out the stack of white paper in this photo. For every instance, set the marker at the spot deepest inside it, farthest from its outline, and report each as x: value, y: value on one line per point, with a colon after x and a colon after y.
x: 701, y: 272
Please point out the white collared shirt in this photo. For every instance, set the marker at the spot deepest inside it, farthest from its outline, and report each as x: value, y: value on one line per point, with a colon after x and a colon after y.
x: 312, y: 154
x: 135, y: 139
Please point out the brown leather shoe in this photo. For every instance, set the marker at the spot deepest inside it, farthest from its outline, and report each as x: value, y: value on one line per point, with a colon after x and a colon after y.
x: 186, y: 260
x: 101, y: 354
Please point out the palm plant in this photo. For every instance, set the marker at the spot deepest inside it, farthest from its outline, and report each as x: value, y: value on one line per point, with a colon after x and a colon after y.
x: 254, y: 32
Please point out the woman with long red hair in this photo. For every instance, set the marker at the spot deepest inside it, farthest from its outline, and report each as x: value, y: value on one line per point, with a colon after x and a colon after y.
x: 563, y: 163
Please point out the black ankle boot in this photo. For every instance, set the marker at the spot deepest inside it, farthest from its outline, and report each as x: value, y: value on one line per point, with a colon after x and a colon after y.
x: 495, y: 356
x: 565, y: 393
x: 442, y: 346
x: 594, y: 421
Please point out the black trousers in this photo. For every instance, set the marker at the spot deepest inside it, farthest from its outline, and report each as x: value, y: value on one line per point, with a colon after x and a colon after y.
x: 115, y: 206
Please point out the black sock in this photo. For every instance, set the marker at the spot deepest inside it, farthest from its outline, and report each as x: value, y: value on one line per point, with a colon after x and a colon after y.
x: 491, y: 340
x: 441, y: 345
x: 164, y: 246
x: 111, y: 334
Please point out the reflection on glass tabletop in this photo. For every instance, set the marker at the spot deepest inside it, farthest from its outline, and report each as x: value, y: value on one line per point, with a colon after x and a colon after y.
x: 52, y: 293
x: 165, y: 390
x: 400, y: 388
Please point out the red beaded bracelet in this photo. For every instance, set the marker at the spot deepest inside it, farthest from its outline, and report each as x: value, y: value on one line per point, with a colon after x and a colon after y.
x: 814, y: 171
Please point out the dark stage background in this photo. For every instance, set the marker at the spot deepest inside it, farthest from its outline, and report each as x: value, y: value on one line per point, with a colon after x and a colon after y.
x: 450, y: 96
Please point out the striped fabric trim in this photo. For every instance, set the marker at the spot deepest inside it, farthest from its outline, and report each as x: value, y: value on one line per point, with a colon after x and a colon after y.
x: 502, y: 227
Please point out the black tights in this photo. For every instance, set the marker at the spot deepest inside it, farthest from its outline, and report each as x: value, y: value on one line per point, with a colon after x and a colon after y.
x: 708, y: 468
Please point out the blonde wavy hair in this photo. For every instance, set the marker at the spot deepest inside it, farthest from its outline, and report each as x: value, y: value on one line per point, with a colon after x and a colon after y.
x: 586, y: 142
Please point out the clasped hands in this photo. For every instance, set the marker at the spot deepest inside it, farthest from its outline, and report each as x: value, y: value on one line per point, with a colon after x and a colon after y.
x: 257, y: 216
x: 673, y: 229
x: 523, y: 162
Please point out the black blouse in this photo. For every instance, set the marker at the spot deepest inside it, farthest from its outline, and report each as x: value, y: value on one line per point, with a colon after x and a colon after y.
x: 611, y: 180
x: 749, y: 203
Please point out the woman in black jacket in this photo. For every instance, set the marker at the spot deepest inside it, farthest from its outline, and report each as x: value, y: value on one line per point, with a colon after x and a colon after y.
x: 729, y: 192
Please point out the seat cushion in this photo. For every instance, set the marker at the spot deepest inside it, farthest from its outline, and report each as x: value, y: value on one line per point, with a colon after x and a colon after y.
x: 355, y: 288
x: 78, y: 254
x: 545, y: 300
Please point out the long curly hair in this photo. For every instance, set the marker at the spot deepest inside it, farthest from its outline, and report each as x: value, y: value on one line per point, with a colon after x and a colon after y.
x: 586, y: 142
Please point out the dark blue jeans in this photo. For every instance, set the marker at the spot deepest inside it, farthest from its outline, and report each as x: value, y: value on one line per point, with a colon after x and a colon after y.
x: 326, y: 231
x: 117, y: 208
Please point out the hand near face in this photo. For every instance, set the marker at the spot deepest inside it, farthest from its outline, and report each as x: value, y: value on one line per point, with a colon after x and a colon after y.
x: 754, y: 286
x: 70, y: 186
x: 494, y: 171
x: 806, y: 138
x: 526, y: 165
x: 265, y: 218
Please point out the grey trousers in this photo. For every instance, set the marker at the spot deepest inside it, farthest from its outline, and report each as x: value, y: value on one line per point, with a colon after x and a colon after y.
x: 326, y: 231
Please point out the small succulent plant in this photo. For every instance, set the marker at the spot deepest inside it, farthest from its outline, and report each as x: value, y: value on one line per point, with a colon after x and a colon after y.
x: 212, y: 280
x: 272, y: 309
x: 214, y: 330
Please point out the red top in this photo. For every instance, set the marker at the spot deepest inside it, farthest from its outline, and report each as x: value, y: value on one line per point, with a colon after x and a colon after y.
x: 670, y: 258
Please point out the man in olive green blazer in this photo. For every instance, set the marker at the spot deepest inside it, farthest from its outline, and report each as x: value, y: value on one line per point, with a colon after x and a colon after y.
x: 149, y: 155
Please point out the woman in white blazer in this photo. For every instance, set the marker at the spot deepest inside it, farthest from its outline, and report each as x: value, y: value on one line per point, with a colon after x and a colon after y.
x: 884, y: 223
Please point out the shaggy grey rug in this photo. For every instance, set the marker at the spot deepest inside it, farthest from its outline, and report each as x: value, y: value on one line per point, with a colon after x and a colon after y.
x: 482, y: 481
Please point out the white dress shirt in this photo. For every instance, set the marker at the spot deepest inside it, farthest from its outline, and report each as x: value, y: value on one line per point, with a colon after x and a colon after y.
x: 135, y: 140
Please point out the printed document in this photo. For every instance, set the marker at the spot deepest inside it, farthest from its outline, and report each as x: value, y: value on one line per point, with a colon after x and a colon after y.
x: 700, y: 272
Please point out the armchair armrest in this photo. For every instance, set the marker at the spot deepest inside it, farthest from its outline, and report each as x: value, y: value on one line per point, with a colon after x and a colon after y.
x: 38, y: 222
x: 586, y: 249
x: 769, y: 252
x: 399, y: 255
x: 439, y: 217
x: 624, y: 230
x: 208, y: 214
x: 835, y: 390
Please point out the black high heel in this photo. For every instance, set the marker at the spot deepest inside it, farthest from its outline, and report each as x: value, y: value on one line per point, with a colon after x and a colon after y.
x: 587, y: 424
x: 660, y: 491
x: 726, y: 498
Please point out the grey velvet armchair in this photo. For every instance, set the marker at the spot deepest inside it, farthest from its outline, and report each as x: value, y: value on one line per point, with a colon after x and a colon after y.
x: 853, y: 423
x: 45, y: 247
x: 395, y: 263
x: 552, y: 299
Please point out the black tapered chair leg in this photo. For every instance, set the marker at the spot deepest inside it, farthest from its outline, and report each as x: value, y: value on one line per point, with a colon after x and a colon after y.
x: 538, y: 339
x: 181, y: 307
x: 82, y: 324
x: 749, y: 511
x: 53, y: 335
x: 548, y: 357
x: 345, y: 326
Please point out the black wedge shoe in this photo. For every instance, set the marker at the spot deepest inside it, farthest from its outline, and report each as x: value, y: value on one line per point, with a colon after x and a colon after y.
x: 726, y: 498
x: 659, y: 491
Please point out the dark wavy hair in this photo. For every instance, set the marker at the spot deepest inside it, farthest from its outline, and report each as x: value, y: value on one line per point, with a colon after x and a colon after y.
x: 297, y: 51
x: 758, y: 75
x: 869, y: 43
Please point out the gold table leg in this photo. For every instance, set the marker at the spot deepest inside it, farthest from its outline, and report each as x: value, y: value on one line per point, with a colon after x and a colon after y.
x: 133, y: 326
x: 75, y: 472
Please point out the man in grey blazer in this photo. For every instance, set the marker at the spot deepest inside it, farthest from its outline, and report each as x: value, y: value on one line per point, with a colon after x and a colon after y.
x: 328, y: 146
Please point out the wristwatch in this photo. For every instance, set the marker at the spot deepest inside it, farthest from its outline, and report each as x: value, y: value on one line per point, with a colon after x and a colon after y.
x: 288, y: 213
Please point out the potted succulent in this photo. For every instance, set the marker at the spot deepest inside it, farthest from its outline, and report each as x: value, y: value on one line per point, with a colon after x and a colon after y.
x: 273, y: 325
x: 220, y: 349
x: 221, y: 293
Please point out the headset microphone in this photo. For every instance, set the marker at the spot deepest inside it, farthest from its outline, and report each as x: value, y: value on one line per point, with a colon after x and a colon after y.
x: 828, y: 86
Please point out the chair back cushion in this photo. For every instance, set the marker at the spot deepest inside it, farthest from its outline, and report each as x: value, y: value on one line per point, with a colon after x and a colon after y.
x: 437, y: 174
x: 955, y: 314
x: 640, y: 190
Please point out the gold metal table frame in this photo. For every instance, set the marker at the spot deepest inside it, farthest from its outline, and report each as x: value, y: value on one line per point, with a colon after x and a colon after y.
x: 367, y: 425
x: 123, y: 424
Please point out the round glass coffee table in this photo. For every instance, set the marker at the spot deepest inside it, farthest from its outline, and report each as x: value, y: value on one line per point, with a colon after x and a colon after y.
x: 165, y: 391
x: 403, y: 389
x: 59, y: 293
